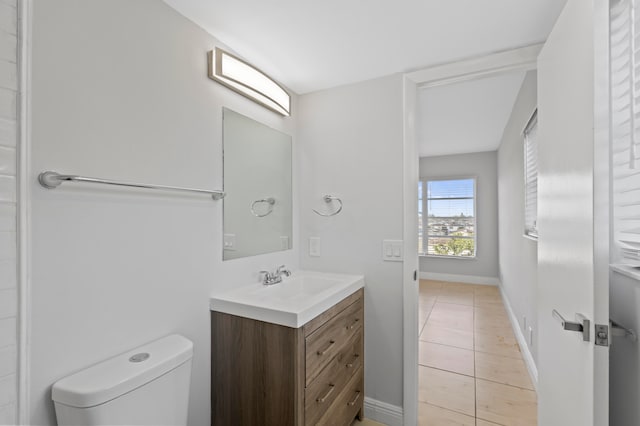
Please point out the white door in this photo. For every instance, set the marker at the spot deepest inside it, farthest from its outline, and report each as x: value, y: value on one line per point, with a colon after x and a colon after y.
x: 572, y: 218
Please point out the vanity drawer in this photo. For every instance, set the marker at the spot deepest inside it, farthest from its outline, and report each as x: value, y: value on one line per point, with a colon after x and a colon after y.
x: 324, y: 343
x: 321, y: 393
x: 348, y: 403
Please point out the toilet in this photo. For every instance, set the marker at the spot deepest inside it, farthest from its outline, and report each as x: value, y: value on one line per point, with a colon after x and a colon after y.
x: 148, y: 385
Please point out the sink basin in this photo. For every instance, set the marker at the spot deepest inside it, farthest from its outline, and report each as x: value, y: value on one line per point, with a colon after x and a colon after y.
x: 293, y: 302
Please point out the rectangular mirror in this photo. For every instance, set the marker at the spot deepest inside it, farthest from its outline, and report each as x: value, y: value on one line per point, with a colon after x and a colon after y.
x: 257, y: 181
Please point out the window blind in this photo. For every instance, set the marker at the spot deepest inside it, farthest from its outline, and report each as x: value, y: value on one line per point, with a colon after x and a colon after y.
x: 531, y: 176
x: 624, y: 62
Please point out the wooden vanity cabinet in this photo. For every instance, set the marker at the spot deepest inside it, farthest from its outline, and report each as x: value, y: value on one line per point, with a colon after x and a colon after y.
x: 269, y: 374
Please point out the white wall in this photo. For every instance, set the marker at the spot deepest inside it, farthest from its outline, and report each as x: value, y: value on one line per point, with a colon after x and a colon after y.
x: 120, y: 91
x: 8, y: 254
x: 518, y: 255
x: 351, y: 144
x: 482, y: 165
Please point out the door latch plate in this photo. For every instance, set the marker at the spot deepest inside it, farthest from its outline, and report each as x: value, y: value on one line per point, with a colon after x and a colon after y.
x: 602, y: 335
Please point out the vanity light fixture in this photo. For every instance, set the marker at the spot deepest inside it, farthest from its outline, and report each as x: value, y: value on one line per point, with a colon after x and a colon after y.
x: 247, y: 80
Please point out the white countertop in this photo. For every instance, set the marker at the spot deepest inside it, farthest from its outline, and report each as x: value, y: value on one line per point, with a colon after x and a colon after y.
x: 293, y: 302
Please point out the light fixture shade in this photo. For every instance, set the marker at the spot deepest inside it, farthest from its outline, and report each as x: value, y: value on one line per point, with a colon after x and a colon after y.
x: 249, y: 81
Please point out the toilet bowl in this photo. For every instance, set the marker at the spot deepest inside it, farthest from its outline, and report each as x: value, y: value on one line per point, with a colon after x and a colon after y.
x: 148, y: 385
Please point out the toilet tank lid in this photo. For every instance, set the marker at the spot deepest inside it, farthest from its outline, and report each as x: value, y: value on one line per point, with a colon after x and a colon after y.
x: 123, y: 373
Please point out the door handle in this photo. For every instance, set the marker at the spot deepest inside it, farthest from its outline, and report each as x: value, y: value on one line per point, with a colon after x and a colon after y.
x: 582, y: 326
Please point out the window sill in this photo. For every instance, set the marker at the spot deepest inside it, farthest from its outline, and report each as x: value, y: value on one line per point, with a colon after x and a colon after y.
x: 626, y: 270
x: 433, y: 256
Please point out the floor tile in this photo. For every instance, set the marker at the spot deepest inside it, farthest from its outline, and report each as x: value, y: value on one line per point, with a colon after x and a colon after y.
x: 480, y: 422
x: 427, y: 300
x: 424, y: 309
x: 498, y: 343
x: 459, y: 317
x: 496, y: 368
x: 488, y: 299
x: 447, y: 390
x: 460, y: 297
x: 447, y: 336
x: 505, y: 405
x: 447, y: 358
x: 491, y: 311
x: 491, y: 321
x: 429, y: 289
x: 430, y: 415
x: 366, y: 422
x: 458, y: 286
x: 486, y: 289
x: 430, y: 284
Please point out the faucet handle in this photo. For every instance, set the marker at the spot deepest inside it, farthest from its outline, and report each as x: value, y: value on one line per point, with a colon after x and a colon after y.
x: 283, y: 270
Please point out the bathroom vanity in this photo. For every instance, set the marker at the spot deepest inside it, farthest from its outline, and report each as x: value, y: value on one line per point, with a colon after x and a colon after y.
x: 289, y: 355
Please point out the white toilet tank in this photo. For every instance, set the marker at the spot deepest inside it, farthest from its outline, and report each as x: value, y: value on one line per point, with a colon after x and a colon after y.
x: 148, y: 385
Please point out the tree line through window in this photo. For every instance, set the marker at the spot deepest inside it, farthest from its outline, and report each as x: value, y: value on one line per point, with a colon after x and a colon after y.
x: 446, y: 217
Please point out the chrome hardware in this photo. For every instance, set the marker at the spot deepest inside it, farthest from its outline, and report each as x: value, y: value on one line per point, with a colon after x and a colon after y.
x: 326, y: 395
x: 331, y: 343
x: 271, y: 278
x: 270, y: 202
x: 327, y: 199
x: 51, y: 180
x: 582, y: 326
x: 282, y: 270
x: 140, y: 357
x: 353, y: 402
x: 618, y: 329
x: 602, y: 335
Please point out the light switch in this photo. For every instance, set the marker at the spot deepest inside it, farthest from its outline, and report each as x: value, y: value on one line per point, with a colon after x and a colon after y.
x: 229, y: 241
x: 392, y: 250
x: 314, y: 246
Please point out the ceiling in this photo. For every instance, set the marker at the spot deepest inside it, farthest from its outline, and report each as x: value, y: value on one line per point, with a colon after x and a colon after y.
x: 309, y: 46
x: 466, y: 117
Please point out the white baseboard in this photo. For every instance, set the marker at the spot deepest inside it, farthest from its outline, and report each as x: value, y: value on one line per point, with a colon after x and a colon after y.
x: 382, y: 412
x: 524, y: 347
x: 471, y: 279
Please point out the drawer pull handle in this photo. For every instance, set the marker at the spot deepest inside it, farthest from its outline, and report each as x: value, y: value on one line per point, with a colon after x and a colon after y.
x: 355, y: 357
x: 350, y: 327
x: 331, y: 343
x: 352, y: 403
x: 329, y: 392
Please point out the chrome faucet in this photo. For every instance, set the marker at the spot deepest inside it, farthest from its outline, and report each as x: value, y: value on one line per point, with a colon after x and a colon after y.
x: 275, y: 277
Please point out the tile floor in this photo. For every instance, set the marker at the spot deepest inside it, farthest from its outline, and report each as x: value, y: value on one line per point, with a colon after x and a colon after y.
x: 471, y: 370
x: 366, y: 422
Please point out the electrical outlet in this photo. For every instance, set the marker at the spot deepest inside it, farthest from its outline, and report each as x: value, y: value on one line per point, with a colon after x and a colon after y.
x: 314, y: 247
x: 230, y: 242
x: 284, y: 242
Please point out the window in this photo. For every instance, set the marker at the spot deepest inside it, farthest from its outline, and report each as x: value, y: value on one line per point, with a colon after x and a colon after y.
x: 531, y: 177
x: 625, y: 131
x: 448, y: 228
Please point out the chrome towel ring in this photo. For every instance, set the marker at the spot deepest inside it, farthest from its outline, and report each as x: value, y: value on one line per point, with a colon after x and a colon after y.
x: 270, y: 201
x: 328, y: 199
